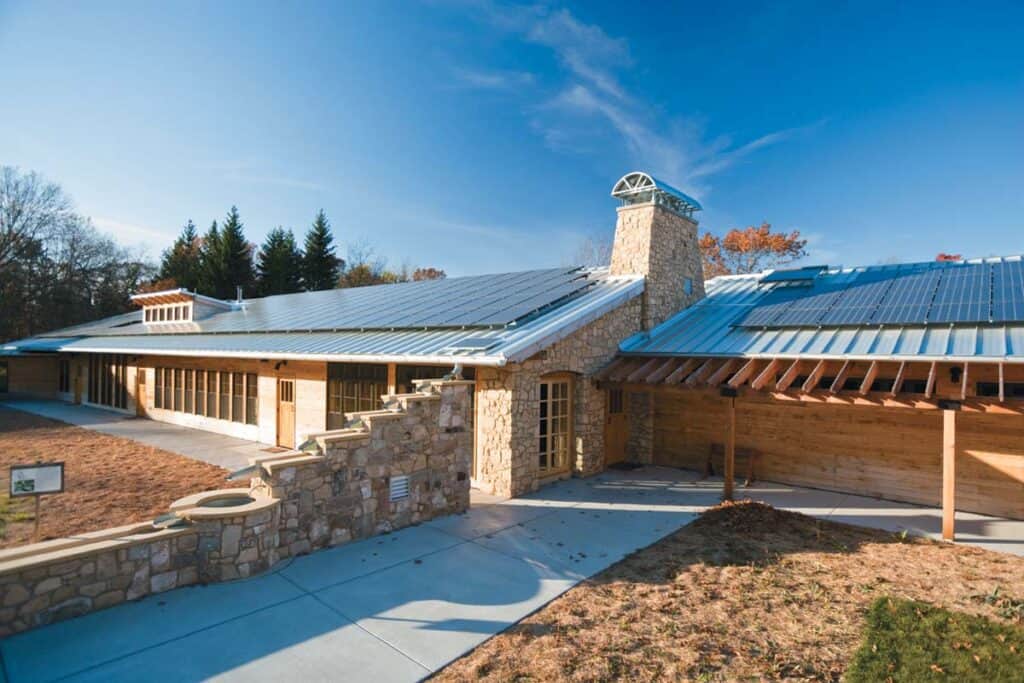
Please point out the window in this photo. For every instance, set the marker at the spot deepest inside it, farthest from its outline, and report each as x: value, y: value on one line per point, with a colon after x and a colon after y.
x: 224, y: 411
x: 189, y: 390
x: 65, y: 375
x: 158, y: 387
x: 1010, y: 389
x: 555, y: 425
x: 200, y: 392
x: 237, y: 396
x: 107, y: 380
x: 3, y: 377
x: 211, y: 393
x: 615, y: 402
x: 353, y: 387
x: 251, y: 398
x: 178, y: 372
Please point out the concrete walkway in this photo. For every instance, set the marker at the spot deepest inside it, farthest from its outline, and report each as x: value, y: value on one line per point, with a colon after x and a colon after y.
x: 216, y: 449
x: 400, y: 606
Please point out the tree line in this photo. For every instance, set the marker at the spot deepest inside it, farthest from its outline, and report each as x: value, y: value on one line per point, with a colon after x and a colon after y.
x: 57, y: 270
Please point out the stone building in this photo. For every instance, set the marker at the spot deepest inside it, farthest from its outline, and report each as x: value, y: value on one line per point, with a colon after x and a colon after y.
x: 286, y: 369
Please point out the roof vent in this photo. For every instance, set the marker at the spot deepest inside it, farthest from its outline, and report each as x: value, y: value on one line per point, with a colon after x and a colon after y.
x: 642, y: 188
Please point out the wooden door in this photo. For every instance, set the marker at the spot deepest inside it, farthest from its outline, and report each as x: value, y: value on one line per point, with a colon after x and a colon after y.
x: 286, y: 413
x: 616, y: 427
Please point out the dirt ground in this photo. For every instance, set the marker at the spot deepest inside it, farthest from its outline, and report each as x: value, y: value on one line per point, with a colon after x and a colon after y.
x: 108, y: 481
x: 745, y: 592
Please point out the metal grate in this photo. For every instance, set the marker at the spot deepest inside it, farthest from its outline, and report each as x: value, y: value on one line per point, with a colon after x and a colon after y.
x: 399, y: 487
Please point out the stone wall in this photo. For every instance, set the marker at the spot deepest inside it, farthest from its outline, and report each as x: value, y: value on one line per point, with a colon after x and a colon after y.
x: 656, y: 242
x: 337, y: 492
x: 640, y: 443
x: 342, y: 493
x: 508, y: 409
x: 56, y: 580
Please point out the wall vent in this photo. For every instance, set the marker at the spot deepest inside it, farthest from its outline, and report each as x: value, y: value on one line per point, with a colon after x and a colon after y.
x: 399, y: 487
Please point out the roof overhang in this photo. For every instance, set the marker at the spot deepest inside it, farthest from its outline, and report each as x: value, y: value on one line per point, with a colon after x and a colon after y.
x: 177, y: 296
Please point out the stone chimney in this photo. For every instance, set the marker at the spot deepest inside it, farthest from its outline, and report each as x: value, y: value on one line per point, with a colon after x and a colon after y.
x: 656, y: 236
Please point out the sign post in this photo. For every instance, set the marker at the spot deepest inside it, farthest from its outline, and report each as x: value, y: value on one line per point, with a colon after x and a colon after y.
x: 37, y: 480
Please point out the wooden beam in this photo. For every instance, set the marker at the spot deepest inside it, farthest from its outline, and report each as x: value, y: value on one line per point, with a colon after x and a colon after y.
x: 898, y: 382
x: 644, y: 370
x: 700, y: 373
x: 662, y: 372
x: 622, y: 370
x: 869, y: 378
x: 816, y: 374
x: 789, y: 376
x: 948, y: 474
x: 729, y: 471
x: 766, y: 375
x: 719, y: 375
x: 743, y: 374
x: 929, y: 387
x: 840, y: 380
x: 682, y: 372
x: 963, y: 382
x: 1002, y: 385
x: 607, y: 371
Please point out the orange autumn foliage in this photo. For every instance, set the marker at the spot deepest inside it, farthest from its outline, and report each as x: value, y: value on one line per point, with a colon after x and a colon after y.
x: 749, y: 250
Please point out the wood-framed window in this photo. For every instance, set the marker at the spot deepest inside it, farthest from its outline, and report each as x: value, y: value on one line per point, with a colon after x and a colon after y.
x: 178, y: 387
x: 189, y: 391
x: 65, y: 375
x: 211, y: 393
x: 251, y: 398
x: 224, y: 409
x: 222, y: 395
x: 556, y: 424
x: 107, y: 380
x: 353, y: 387
x: 238, y: 397
x: 200, y: 387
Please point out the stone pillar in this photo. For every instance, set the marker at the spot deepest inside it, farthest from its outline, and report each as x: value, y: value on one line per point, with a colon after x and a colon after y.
x: 589, y: 422
x: 660, y: 244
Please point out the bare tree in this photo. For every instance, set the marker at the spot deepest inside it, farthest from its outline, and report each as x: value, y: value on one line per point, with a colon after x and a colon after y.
x: 594, y: 250
x: 30, y: 209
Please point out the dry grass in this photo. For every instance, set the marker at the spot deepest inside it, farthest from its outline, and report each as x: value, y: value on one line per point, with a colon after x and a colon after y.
x: 745, y: 592
x: 108, y: 480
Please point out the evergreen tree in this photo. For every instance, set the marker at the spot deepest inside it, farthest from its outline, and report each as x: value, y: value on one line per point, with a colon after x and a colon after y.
x: 321, y: 267
x: 211, y: 265
x: 236, y: 253
x: 279, y: 266
x: 181, y: 263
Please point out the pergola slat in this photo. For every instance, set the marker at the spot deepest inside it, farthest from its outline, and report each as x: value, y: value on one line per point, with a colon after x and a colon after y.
x: 789, y: 376
x: 840, y: 380
x: 869, y: 378
x: 766, y: 375
x: 963, y: 382
x: 743, y: 374
x: 816, y: 374
x: 929, y: 387
x: 723, y: 372
x: 662, y: 371
x: 898, y: 382
x: 682, y: 372
x: 644, y: 370
x: 703, y: 371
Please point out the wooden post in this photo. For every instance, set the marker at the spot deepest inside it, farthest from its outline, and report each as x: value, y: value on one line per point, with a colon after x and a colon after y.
x: 948, y: 473
x: 730, y: 453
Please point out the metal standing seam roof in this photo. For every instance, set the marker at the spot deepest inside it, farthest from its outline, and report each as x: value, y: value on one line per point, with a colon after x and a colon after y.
x: 304, y: 335
x: 712, y: 327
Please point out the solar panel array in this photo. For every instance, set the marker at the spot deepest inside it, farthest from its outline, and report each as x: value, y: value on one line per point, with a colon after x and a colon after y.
x: 485, y: 301
x: 923, y: 293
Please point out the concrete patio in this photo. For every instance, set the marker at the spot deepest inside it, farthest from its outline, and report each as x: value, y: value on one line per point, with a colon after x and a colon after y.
x: 216, y: 449
x: 400, y: 606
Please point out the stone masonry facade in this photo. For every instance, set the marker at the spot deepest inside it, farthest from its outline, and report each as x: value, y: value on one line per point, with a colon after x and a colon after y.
x: 662, y: 245
x: 345, y: 493
x: 304, y: 501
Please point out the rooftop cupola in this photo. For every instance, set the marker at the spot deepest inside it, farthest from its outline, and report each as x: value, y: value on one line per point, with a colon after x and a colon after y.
x: 656, y: 236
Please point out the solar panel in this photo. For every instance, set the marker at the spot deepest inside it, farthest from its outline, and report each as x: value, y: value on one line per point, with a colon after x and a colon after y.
x: 858, y: 302
x: 1008, y: 291
x: 806, y: 273
x: 964, y: 294
x: 909, y: 299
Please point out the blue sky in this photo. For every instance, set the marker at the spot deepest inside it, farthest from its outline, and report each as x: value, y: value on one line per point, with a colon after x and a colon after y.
x: 478, y: 137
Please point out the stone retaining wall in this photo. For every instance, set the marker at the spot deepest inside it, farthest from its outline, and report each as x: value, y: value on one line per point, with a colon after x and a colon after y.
x: 337, y: 492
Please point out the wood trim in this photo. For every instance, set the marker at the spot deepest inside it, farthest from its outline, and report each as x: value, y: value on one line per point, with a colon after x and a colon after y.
x: 948, y: 474
x: 789, y: 376
x: 1002, y: 384
x: 963, y: 382
x: 623, y: 370
x: 929, y: 388
x: 682, y: 372
x: 392, y: 379
x: 898, y: 382
x: 840, y: 380
x: 662, y: 372
x: 816, y: 374
x: 768, y: 374
x: 729, y: 471
x: 644, y: 370
x: 869, y: 378
x: 719, y: 375
x: 700, y: 373
x: 743, y: 374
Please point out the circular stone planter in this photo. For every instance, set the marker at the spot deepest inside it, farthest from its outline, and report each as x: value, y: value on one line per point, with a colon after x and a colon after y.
x: 222, y: 503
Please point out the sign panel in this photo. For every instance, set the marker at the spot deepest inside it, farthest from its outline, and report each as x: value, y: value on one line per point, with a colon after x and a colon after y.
x: 34, y: 480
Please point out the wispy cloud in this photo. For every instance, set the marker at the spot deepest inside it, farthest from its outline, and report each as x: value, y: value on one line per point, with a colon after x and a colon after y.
x: 132, y: 233
x: 483, y: 79
x: 252, y: 173
x: 596, y: 68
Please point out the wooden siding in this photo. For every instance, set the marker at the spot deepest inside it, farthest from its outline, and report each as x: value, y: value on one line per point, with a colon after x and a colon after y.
x: 889, y: 453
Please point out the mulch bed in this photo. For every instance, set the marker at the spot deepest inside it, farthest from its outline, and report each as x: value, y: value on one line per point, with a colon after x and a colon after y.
x: 745, y: 592
x: 109, y: 481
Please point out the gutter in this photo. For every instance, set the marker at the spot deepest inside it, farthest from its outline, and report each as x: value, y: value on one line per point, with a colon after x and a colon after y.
x: 1012, y: 360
